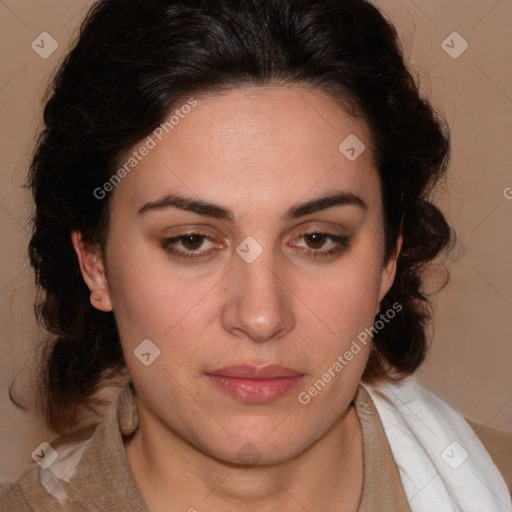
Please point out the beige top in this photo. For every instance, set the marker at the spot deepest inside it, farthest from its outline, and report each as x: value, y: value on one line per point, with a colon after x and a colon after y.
x: 94, y: 475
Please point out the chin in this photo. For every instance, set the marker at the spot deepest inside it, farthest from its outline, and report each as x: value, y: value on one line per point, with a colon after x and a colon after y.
x: 264, y: 443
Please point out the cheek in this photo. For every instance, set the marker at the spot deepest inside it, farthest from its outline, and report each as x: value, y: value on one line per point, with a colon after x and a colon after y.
x: 151, y: 302
x: 348, y: 296
x: 345, y: 302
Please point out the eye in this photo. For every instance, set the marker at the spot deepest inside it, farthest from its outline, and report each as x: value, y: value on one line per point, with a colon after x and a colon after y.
x: 190, y: 244
x: 315, y: 240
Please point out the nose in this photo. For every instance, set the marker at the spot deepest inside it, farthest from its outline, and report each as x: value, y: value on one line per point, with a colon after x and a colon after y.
x: 259, y: 304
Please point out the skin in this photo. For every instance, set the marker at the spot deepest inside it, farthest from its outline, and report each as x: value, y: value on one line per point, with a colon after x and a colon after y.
x: 257, y: 151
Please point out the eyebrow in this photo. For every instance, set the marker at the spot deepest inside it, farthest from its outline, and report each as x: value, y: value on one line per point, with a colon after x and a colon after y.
x: 207, y: 209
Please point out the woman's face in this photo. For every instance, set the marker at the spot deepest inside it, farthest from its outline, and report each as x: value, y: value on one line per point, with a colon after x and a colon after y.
x: 232, y: 277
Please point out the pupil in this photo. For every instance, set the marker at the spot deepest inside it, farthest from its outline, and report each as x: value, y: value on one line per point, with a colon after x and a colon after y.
x: 316, y: 238
x: 192, y: 240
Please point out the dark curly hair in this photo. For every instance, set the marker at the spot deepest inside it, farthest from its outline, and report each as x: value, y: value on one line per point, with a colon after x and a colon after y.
x: 134, y: 60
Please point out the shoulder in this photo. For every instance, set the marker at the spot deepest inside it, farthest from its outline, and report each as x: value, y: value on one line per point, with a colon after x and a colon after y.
x: 430, y: 437
x: 39, y: 489
x: 12, y: 495
x: 81, y: 476
x: 498, y: 444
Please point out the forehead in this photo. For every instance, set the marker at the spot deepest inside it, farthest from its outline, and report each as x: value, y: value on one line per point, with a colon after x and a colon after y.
x: 258, y: 144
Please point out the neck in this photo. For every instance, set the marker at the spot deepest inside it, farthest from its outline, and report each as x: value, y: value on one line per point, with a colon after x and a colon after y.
x: 327, y: 476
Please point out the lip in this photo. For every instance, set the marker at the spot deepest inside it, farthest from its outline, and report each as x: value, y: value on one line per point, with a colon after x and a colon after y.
x: 255, y: 384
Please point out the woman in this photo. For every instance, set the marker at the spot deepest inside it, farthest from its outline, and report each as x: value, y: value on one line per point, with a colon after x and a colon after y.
x: 232, y: 219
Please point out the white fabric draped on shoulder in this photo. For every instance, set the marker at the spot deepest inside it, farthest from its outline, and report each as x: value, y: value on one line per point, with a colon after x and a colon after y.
x: 443, y: 465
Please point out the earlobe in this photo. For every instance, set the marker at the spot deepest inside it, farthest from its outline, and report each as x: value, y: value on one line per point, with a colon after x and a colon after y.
x: 92, y: 269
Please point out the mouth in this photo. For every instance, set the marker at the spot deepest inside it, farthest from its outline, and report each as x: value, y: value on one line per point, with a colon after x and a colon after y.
x: 255, y: 384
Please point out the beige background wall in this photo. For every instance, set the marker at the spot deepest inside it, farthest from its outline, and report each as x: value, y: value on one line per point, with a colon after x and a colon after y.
x: 470, y: 364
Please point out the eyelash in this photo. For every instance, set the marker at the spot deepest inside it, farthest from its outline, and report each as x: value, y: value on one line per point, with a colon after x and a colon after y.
x: 342, y: 243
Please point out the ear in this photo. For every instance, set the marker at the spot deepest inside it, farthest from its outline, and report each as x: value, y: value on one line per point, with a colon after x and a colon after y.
x: 93, y: 271
x: 389, y: 270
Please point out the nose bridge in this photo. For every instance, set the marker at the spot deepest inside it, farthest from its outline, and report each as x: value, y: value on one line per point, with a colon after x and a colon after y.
x: 259, y: 304
x: 260, y: 281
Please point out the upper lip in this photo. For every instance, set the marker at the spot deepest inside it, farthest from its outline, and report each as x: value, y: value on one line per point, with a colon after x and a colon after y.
x: 268, y: 371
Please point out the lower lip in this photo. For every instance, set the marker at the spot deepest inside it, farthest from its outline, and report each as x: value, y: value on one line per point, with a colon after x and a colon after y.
x: 255, y: 391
